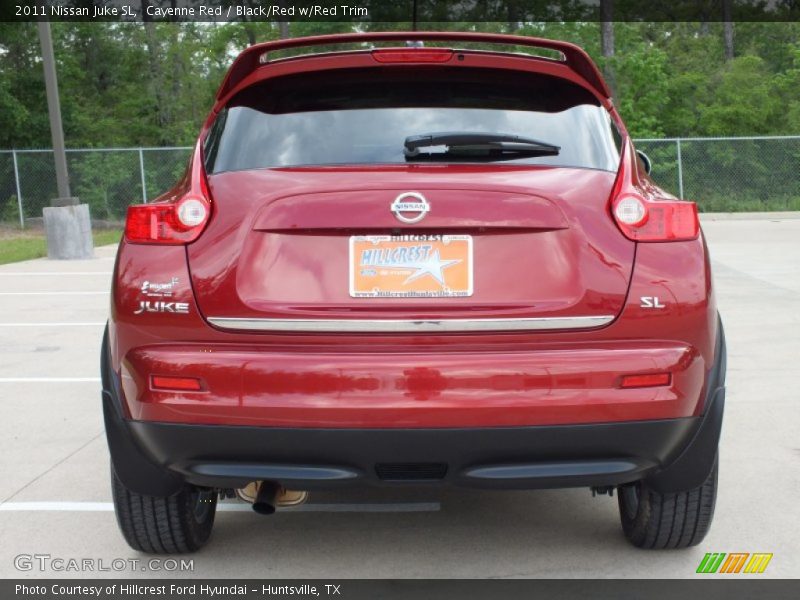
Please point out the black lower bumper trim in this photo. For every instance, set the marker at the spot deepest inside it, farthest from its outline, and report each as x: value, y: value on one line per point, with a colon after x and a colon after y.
x: 508, y: 457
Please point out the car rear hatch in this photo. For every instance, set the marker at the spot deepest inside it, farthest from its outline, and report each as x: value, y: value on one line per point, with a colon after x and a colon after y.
x: 487, y: 255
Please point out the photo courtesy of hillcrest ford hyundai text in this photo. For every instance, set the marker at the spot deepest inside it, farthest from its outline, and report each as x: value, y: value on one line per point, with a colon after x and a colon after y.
x: 429, y: 261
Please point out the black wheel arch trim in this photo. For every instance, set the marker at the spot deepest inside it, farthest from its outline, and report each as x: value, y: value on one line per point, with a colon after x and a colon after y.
x: 693, y: 466
x: 134, y: 468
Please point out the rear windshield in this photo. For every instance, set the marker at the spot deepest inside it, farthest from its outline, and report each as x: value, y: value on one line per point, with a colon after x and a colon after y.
x: 363, y: 116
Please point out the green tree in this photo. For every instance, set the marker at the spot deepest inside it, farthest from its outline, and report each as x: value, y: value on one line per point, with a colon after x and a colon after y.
x: 744, y: 100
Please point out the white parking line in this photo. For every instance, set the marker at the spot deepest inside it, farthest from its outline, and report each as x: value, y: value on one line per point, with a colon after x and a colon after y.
x: 55, y: 293
x: 97, y: 324
x: 225, y: 507
x: 57, y: 506
x: 49, y: 379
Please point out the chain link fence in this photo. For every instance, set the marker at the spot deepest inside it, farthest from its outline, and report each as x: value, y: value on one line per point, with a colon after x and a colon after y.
x: 720, y: 174
x: 107, y: 179
x: 729, y: 174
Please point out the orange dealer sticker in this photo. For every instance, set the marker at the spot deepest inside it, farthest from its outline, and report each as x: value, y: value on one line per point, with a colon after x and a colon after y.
x: 410, y: 266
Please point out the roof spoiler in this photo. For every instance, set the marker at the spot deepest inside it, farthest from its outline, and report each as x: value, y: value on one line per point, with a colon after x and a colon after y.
x: 574, y: 57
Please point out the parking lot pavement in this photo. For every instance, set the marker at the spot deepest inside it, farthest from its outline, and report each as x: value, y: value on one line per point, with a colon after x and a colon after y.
x: 56, y: 500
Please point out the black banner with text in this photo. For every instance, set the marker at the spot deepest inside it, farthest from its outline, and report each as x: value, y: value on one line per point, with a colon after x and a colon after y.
x: 410, y: 11
x: 387, y: 589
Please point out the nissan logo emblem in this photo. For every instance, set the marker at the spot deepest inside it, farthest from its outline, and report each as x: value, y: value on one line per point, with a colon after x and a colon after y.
x: 410, y: 207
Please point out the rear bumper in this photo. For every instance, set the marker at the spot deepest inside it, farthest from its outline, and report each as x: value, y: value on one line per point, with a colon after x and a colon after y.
x: 672, y: 454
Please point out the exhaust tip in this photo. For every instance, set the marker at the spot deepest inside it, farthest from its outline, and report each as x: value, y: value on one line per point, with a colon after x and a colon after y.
x: 263, y: 508
x: 264, y: 503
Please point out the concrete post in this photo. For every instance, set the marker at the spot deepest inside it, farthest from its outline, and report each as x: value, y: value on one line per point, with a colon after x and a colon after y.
x: 69, y: 232
x: 67, y: 224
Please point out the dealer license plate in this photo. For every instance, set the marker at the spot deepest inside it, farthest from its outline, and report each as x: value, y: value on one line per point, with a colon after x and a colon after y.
x: 410, y: 266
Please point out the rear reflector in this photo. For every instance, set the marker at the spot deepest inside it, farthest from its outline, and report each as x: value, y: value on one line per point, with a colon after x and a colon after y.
x: 649, y: 380
x: 182, y: 384
x: 412, y: 55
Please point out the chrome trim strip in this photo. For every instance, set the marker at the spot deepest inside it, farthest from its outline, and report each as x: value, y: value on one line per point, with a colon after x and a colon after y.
x: 408, y: 325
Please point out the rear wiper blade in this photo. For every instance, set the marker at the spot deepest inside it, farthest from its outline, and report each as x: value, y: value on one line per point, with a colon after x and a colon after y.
x: 465, y: 145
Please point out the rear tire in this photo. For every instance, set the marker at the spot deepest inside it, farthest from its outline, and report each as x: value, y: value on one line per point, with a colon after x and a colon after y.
x: 164, y: 525
x: 655, y: 520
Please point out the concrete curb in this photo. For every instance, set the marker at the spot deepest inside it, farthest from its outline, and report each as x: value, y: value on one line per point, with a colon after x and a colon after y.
x: 751, y: 216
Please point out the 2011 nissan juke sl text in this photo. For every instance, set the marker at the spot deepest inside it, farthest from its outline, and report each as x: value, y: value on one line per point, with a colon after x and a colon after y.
x: 406, y: 264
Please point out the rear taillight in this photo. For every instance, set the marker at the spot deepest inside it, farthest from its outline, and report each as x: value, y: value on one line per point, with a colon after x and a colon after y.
x: 643, y: 219
x: 178, y: 222
x: 656, y: 221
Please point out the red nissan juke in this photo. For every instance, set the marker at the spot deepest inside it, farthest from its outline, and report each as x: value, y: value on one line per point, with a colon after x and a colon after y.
x: 405, y: 265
